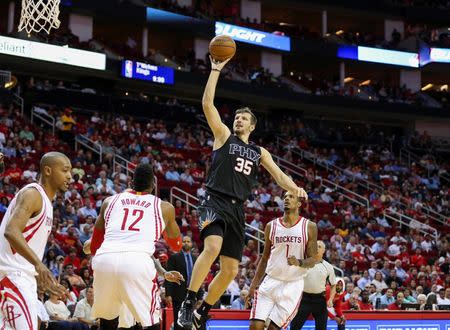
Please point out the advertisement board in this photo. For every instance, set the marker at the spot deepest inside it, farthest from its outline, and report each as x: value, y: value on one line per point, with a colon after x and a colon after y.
x: 254, y: 37
x: 52, y: 53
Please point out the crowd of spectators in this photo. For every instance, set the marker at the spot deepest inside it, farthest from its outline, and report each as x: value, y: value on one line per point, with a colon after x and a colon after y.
x: 379, y: 258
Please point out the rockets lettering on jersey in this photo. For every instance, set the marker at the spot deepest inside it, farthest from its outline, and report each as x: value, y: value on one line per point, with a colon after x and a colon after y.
x: 286, y: 242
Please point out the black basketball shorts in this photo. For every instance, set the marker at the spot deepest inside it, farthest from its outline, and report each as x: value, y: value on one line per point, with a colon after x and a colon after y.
x: 223, y: 216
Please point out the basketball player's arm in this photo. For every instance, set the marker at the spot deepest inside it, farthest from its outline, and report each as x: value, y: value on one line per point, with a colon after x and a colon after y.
x: 170, y: 276
x: 172, y: 233
x: 280, y: 178
x: 262, y: 264
x: 29, y: 204
x: 311, y: 250
x: 219, y: 129
x: 99, y: 228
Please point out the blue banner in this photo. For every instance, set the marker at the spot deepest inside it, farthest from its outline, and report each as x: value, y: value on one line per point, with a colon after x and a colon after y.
x: 254, y: 37
x: 145, y: 71
x: 378, y: 55
x: 350, y: 325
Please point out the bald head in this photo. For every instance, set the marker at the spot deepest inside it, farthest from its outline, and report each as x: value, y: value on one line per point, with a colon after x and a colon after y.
x: 51, y: 159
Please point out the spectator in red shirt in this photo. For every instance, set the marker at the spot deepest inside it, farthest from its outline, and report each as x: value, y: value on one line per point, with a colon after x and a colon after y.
x: 72, y: 258
x: 418, y: 259
x: 397, y: 305
x: 365, y: 304
x: 335, y: 312
x: 14, y: 173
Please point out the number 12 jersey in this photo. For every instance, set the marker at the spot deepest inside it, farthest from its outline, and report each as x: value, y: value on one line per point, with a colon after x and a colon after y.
x: 133, y: 223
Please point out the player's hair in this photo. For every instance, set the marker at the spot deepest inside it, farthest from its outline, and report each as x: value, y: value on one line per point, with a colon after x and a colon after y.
x: 253, y: 119
x: 143, y: 177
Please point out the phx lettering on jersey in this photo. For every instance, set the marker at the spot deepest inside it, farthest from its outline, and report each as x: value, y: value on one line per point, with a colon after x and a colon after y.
x: 245, y: 152
x: 288, y: 239
x: 135, y: 202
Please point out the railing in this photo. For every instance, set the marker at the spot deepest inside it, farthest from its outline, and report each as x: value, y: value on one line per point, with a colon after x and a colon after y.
x: 5, y: 78
x: 409, y: 157
x: 412, y: 223
x: 405, y: 155
x: 291, y: 168
x: 304, y: 154
x: 89, y: 144
x: 41, y: 114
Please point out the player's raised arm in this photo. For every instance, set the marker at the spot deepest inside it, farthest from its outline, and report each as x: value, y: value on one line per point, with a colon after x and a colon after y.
x: 277, y: 174
x: 262, y: 264
x: 172, y: 233
x: 311, y: 249
x: 99, y: 228
x: 219, y: 129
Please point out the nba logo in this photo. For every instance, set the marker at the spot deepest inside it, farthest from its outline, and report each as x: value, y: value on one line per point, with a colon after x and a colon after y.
x: 129, y: 69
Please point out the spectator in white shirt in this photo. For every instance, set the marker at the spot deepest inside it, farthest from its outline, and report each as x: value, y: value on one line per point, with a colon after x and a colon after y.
x: 443, y: 298
x: 30, y: 173
x: 256, y: 222
x: 397, y: 238
x: 379, y: 282
x: 373, y: 269
x: 364, y: 280
x: 57, y: 310
x: 264, y: 196
x: 393, y: 250
x: 351, y: 245
x: 83, y: 309
x: 426, y: 244
x: 201, y: 192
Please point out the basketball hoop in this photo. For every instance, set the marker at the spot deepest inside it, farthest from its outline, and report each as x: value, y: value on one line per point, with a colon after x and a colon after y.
x: 38, y: 15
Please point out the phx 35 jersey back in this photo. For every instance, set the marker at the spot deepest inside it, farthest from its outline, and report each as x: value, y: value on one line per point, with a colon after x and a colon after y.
x: 234, y: 168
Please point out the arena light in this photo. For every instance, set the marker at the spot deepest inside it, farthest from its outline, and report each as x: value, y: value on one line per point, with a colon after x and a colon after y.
x: 365, y: 82
x: 339, y: 32
x: 52, y: 53
x: 426, y: 87
x: 444, y: 88
x: 348, y: 79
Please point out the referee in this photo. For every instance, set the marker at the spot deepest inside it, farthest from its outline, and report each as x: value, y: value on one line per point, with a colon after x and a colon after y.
x: 314, y: 300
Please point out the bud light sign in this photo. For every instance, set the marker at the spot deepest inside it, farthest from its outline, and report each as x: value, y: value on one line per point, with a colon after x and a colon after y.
x: 254, y: 37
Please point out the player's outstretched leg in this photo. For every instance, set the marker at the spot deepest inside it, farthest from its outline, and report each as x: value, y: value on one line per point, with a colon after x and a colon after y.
x: 201, y: 268
x: 228, y: 270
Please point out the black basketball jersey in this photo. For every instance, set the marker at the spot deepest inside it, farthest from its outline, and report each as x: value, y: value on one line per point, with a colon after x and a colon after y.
x: 234, y: 168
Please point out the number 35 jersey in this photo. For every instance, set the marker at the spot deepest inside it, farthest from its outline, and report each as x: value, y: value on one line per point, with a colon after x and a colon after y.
x: 234, y: 168
x: 133, y: 223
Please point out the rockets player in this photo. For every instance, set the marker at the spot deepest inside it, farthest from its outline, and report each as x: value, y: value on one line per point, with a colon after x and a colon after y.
x: 335, y: 312
x: 290, y: 249
x: 24, y: 232
x: 123, y: 243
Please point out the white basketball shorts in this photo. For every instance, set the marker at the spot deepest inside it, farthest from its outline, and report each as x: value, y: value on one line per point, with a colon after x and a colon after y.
x: 277, y: 300
x: 126, y: 278
x: 18, y: 301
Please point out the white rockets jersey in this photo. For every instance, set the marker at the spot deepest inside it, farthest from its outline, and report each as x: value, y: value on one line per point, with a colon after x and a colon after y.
x: 133, y: 223
x: 36, y: 234
x: 287, y: 242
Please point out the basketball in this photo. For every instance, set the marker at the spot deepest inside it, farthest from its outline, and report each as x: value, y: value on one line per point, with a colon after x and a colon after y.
x: 222, y: 48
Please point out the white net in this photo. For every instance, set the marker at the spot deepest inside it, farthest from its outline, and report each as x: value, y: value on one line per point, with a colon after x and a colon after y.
x: 38, y: 15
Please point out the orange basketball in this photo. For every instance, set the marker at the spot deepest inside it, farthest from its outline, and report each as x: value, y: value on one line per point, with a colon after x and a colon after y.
x: 222, y: 48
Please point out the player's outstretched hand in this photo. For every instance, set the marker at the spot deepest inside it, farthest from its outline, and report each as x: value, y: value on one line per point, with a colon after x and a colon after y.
x: 47, y: 282
x: 217, y: 65
x: 174, y: 276
x: 248, y: 298
x: 301, y: 193
x: 293, y: 261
